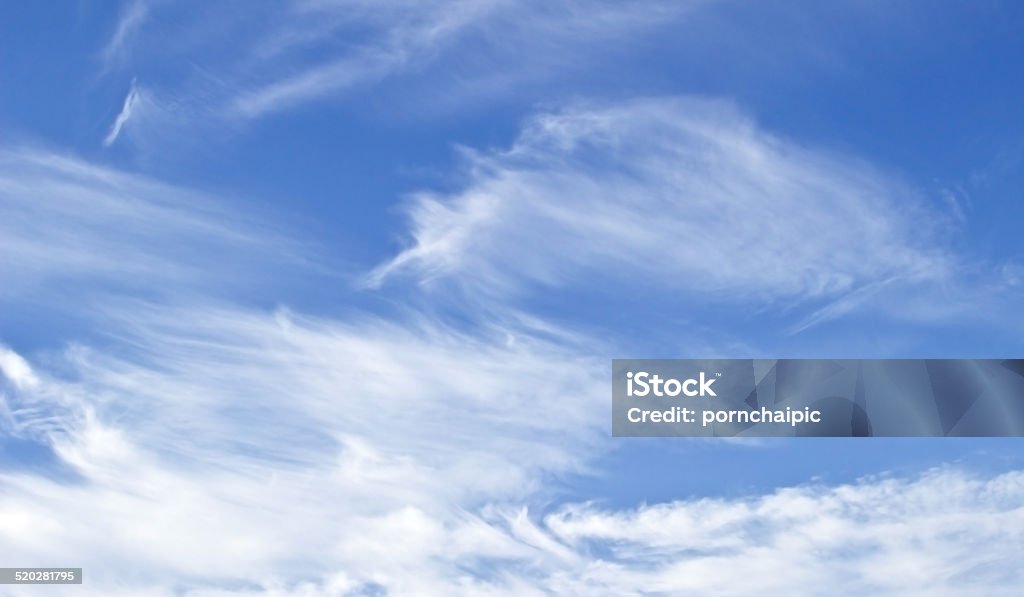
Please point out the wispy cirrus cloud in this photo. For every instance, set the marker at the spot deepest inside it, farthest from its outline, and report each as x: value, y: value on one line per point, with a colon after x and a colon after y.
x: 276, y: 57
x: 523, y: 40
x: 366, y: 433
x: 369, y: 438
x: 133, y: 15
x: 127, y: 109
x: 944, y: 533
x: 688, y: 196
x: 16, y: 369
x: 66, y: 221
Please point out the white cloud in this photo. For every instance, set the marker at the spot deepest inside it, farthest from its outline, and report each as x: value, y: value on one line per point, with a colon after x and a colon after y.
x: 200, y: 437
x: 66, y: 221
x: 133, y: 14
x: 276, y: 57
x: 403, y: 34
x: 16, y: 369
x: 684, y: 195
x: 526, y: 38
x: 402, y: 520
x: 123, y: 116
x: 945, y: 533
x: 284, y: 449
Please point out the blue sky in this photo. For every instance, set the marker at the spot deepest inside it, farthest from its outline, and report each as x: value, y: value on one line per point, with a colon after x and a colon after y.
x: 362, y: 266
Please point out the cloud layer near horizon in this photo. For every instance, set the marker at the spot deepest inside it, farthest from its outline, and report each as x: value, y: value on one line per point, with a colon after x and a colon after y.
x: 374, y: 511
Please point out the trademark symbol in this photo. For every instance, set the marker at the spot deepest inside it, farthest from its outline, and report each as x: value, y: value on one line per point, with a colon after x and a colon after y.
x: 718, y: 375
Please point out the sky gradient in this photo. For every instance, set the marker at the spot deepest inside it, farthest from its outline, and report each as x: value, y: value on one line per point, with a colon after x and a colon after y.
x: 320, y: 298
